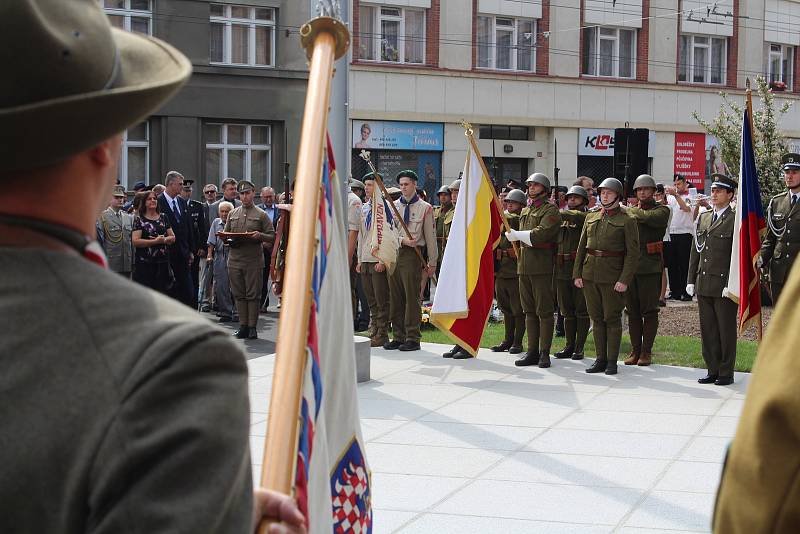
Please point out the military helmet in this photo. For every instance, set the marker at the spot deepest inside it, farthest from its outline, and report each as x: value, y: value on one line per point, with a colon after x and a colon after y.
x: 579, y: 191
x: 611, y: 183
x: 357, y: 184
x: 455, y: 186
x: 515, y: 195
x: 539, y: 178
x: 443, y: 189
x: 644, y: 180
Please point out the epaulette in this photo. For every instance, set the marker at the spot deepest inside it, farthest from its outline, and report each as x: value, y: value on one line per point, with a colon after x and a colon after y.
x: 780, y: 195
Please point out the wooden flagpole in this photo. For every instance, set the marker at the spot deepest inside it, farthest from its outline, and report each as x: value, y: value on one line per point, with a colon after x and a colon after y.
x: 325, y: 40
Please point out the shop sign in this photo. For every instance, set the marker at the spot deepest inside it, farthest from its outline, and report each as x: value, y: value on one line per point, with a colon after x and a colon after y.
x: 600, y: 142
x: 395, y: 135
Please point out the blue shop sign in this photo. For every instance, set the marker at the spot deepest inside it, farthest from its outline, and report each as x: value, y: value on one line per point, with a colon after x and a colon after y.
x: 395, y: 135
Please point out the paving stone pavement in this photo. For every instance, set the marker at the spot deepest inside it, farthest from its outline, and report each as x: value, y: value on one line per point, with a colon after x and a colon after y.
x: 483, y: 446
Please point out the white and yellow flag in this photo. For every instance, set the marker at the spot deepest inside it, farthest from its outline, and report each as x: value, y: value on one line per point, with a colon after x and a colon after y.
x: 382, y: 234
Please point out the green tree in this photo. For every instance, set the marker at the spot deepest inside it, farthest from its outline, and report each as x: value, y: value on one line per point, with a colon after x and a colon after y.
x: 769, y: 143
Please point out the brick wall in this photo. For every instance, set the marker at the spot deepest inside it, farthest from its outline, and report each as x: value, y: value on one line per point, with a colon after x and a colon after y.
x: 543, y: 43
x: 432, y: 34
x: 733, y: 48
x: 795, y: 78
x: 643, y: 44
x: 355, y: 26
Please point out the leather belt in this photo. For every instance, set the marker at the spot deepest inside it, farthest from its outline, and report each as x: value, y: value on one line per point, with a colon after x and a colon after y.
x: 499, y: 254
x: 605, y: 253
x: 561, y: 259
x: 654, y: 247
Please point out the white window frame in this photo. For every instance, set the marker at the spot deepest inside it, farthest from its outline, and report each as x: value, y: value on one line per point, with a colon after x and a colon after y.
x: 377, y: 37
x: 122, y: 172
x: 228, y: 21
x: 615, y: 57
x: 514, y: 30
x: 248, y: 147
x: 783, y: 52
x: 126, y: 13
x: 689, y: 67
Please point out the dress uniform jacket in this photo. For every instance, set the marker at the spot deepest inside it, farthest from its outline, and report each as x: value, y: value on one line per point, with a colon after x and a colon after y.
x: 199, y: 225
x: 114, y: 230
x: 652, y: 221
x: 779, y: 252
x: 543, y: 221
x: 247, y: 253
x: 506, y: 286
x: 608, y: 233
x: 571, y: 302
x: 569, y: 236
x: 505, y: 256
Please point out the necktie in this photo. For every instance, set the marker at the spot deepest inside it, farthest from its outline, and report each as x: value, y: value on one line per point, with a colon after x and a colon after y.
x: 175, y: 210
x: 794, y: 200
x: 714, y: 218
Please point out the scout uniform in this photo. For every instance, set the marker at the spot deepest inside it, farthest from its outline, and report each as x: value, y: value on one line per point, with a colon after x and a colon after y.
x: 782, y: 242
x: 114, y: 230
x: 709, y: 263
x: 641, y: 298
x: 608, y: 253
x: 245, y: 260
x: 506, y: 284
x: 535, y: 269
x: 405, y: 307
x: 571, y: 301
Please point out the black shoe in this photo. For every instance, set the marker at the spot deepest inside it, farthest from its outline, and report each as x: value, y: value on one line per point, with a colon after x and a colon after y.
x: 724, y: 381
x: 392, y: 345
x: 708, y: 379
x: 566, y: 353
x: 599, y: 366
x: 242, y: 333
x: 544, y: 359
x: 410, y: 346
x: 559, y: 333
x: 577, y: 355
x: 686, y: 298
x: 462, y: 355
x: 611, y: 368
x: 515, y: 349
x: 225, y: 319
x: 502, y: 347
x: 450, y: 353
x: 205, y: 308
x: 530, y: 358
x: 253, y: 333
x: 662, y: 303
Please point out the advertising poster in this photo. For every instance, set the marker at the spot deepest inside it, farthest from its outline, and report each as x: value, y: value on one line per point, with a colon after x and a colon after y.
x: 395, y: 135
x: 714, y: 163
x: 690, y: 157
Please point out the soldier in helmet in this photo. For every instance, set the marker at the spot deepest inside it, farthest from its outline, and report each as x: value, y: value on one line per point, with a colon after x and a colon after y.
x: 782, y: 242
x: 439, y: 212
x: 570, y: 298
x: 506, y: 281
x: 641, y: 299
x: 539, y: 226
x: 606, y: 261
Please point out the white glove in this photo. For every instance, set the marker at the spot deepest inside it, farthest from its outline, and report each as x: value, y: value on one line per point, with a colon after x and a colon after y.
x: 519, y: 235
x: 690, y: 290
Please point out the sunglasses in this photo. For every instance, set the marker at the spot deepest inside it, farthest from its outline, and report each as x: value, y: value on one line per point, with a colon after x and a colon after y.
x: 209, y: 192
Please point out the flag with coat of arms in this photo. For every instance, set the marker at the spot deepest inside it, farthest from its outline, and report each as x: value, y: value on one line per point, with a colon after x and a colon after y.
x: 383, y: 238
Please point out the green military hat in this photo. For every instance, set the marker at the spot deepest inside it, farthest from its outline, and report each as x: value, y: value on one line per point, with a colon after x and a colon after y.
x: 119, y: 191
x: 244, y: 186
x: 515, y: 195
x: 724, y: 181
x: 539, y: 178
x: 611, y: 183
x: 644, y: 180
x: 357, y: 184
x: 790, y: 161
x: 578, y: 191
x: 443, y: 190
x: 408, y: 173
x: 455, y: 186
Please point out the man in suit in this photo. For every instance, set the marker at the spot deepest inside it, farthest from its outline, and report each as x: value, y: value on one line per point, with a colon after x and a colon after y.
x: 182, y: 252
x: 269, y: 207
x: 228, y: 187
x: 200, y: 232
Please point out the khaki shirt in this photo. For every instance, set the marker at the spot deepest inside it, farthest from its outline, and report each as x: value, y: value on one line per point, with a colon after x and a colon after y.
x: 608, y: 233
x: 542, y: 220
x: 248, y: 252
x: 708, y: 269
x: 114, y: 231
x: 353, y: 212
x: 421, y: 227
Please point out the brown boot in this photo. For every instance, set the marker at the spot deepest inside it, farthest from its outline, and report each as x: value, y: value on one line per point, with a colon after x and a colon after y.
x: 633, y: 358
x: 645, y: 359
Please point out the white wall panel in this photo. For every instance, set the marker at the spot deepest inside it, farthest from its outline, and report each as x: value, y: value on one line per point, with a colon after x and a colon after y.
x: 625, y: 13
x: 699, y: 11
x: 781, y: 19
x: 511, y: 8
x: 402, y: 3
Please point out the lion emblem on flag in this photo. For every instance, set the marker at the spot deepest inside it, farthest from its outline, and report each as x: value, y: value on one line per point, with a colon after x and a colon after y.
x: 350, y: 493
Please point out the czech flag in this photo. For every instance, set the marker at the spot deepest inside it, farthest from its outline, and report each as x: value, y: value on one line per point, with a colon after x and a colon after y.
x: 744, y: 285
x: 465, y: 290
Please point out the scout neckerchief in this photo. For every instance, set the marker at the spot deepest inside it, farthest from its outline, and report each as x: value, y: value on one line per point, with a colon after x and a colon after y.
x: 407, y: 204
x: 83, y: 244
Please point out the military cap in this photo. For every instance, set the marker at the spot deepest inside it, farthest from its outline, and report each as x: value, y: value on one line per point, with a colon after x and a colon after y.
x: 408, y: 173
x: 187, y: 182
x: 455, y: 186
x: 357, y: 184
x: 579, y: 191
x: 790, y: 161
x: 611, y: 183
x: 539, y: 178
x: 516, y: 181
x: 444, y: 189
x: 139, y: 186
x: 244, y: 186
x: 515, y: 195
x: 644, y: 180
x: 724, y: 181
x: 119, y: 191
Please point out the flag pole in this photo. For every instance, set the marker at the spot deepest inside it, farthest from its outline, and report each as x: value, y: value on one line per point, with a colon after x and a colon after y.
x: 325, y: 40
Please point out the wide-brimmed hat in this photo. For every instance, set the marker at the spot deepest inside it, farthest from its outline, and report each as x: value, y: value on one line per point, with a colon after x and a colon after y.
x: 74, y: 81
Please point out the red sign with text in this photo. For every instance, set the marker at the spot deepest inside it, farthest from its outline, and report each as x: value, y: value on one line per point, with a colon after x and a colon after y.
x: 690, y: 157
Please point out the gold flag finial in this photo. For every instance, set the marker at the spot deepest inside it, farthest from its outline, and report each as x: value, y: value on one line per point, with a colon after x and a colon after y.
x: 364, y: 155
x: 467, y: 128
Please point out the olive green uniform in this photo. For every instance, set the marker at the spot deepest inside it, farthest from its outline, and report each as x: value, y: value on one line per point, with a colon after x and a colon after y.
x: 439, y: 215
x: 708, y: 270
x: 778, y: 251
x: 535, y: 269
x: 404, y: 305
x: 608, y: 253
x: 506, y: 286
x: 114, y: 232
x: 644, y: 291
x: 246, y: 260
x: 571, y: 301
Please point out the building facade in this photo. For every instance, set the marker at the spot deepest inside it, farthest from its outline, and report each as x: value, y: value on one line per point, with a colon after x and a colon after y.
x: 532, y: 73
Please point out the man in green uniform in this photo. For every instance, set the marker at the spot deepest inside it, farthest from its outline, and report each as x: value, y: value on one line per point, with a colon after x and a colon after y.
x: 506, y: 281
x: 251, y: 227
x: 114, y: 230
x: 445, y: 206
x: 709, y: 263
x: 404, y: 283
x: 782, y: 242
x: 571, y: 301
x: 539, y: 225
x: 606, y: 261
x: 641, y: 299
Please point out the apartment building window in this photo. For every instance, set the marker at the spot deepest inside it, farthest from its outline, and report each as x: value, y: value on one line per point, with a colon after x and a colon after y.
x: 702, y: 59
x: 609, y: 52
x: 131, y: 15
x: 780, y: 61
x: 240, y: 151
x: 494, y: 131
x: 242, y: 35
x: 394, y: 34
x: 134, y: 158
x: 506, y: 43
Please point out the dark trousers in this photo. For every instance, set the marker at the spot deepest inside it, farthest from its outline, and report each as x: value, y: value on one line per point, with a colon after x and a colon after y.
x: 195, y: 270
x: 153, y: 275
x: 718, y: 334
x: 265, y: 278
x: 678, y: 263
x: 181, y: 290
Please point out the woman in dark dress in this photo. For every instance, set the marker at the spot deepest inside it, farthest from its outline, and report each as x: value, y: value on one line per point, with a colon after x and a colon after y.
x: 151, y: 235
